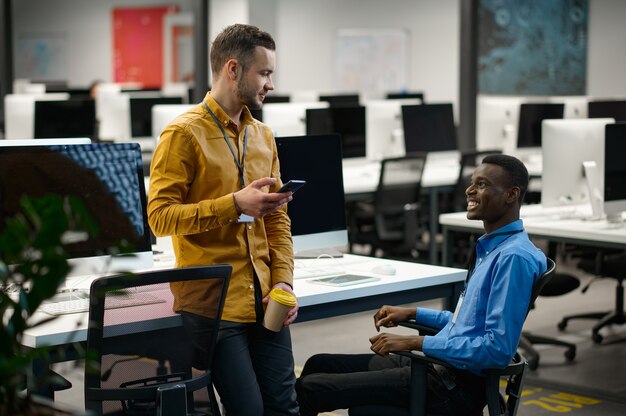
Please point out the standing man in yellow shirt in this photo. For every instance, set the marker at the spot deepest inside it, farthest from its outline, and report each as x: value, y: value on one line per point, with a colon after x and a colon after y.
x: 213, y: 183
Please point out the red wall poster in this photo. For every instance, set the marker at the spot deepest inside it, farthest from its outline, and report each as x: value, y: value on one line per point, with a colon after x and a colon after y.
x: 138, y: 45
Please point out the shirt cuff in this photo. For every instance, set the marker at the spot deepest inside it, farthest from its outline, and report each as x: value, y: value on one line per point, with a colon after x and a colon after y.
x: 226, y: 210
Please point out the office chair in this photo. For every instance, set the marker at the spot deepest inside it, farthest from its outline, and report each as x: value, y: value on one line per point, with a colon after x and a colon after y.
x: 390, y: 221
x: 125, y: 371
x: 560, y: 284
x: 496, y: 404
x: 604, y: 265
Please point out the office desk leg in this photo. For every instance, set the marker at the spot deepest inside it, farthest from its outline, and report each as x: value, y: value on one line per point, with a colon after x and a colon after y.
x: 433, y: 223
x: 448, y: 240
x: 450, y: 302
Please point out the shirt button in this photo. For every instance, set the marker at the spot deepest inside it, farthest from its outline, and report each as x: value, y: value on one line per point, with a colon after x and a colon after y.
x: 249, y: 227
x: 251, y: 287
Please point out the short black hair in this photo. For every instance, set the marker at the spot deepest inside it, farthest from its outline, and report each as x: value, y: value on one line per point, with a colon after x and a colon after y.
x: 238, y: 41
x: 517, y: 172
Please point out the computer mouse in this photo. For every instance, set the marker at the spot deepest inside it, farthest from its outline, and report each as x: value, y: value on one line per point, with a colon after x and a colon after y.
x: 385, y: 269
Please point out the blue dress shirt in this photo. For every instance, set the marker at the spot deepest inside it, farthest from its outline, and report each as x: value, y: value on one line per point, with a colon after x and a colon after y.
x: 489, y: 322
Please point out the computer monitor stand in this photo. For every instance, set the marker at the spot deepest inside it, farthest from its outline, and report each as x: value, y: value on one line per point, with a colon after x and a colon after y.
x: 318, y: 253
x: 595, y: 189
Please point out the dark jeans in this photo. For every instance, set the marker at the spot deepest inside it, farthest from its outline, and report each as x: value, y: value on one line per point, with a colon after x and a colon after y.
x: 339, y: 381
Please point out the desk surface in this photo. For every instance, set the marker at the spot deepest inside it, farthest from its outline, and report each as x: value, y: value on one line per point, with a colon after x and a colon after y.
x: 362, y: 176
x: 410, y: 278
x: 567, y: 223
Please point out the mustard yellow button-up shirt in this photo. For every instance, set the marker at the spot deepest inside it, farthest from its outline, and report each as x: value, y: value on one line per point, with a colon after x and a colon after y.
x: 192, y: 180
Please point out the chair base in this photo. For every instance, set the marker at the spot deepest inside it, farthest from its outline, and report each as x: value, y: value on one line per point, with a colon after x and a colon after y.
x: 532, y: 356
x: 606, y: 318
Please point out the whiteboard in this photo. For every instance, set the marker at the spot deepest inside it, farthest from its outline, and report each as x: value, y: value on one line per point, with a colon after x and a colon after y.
x: 371, y: 60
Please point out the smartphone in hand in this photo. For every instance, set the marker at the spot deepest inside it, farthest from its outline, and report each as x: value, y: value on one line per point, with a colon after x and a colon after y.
x: 292, y: 186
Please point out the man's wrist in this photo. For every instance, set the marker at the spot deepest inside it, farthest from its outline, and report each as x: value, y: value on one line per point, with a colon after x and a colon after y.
x: 237, y: 207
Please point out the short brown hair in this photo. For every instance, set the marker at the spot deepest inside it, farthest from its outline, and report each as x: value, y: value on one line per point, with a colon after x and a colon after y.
x: 238, y: 41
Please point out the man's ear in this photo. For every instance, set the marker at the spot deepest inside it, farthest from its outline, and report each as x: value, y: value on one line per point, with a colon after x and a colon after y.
x: 232, y: 68
x: 513, y: 195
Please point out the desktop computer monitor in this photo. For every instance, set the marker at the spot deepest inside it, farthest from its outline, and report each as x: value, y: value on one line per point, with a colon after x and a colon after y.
x: 530, y: 117
x: 317, y: 211
x: 108, y: 178
x: 141, y: 113
x: 66, y: 118
x: 566, y: 145
x: 496, y: 122
x: 403, y: 95
x: 348, y: 122
x: 289, y: 119
x: 273, y: 98
x: 163, y: 114
x: 610, y: 108
x: 428, y: 128
x: 341, y: 100
x: 614, y: 172
x: 383, y: 127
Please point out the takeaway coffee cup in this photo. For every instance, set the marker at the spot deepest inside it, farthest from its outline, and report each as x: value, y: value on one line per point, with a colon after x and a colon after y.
x: 277, y: 308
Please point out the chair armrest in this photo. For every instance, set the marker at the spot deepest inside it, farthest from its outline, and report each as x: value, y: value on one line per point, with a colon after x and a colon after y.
x: 423, y: 329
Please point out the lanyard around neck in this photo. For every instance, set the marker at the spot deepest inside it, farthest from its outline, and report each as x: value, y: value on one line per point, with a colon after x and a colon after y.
x: 240, y: 165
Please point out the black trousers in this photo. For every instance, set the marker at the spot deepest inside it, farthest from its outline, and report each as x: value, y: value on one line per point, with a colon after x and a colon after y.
x: 253, y: 368
x: 339, y: 381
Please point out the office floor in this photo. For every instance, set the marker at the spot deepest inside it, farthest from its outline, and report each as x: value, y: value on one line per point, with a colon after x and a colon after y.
x: 595, y: 383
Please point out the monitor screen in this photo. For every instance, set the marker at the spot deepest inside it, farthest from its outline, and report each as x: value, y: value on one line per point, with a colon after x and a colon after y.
x: 615, y: 171
x: 141, y: 113
x: 109, y: 180
x: 428, y: 128
x: 530, y: 117
x: 273, y: 98
x: 407, y: 94
x: 340, y: 100
x: 66, y: 118
x: 612, y: 108
x: 317, y: 160
x: 348, y: 122
x: 566, y: 145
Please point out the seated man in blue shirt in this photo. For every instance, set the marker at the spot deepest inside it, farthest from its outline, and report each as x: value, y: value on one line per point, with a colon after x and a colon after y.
x: 483, y: 332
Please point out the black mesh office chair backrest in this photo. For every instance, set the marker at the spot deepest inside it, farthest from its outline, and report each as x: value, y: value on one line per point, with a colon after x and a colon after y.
x: 138, y: 354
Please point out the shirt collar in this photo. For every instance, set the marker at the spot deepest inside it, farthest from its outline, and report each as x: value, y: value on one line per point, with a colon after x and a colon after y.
x: 246, y: 116
x: 491, y: 240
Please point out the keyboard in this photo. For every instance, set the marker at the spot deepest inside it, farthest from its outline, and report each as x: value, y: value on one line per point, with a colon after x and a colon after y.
x: 310, y: 272
x: 78, y: 301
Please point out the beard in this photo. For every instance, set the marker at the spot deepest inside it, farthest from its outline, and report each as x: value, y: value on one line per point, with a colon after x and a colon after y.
x: 247, y: 94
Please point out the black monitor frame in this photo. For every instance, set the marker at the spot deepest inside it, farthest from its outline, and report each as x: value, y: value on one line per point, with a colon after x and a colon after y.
x: 615, y: 109
x: 317, y: 160
x: 107, y: 177
x: 348, y: 122
x: 429, y: 128
x: 65, y: 118
x: 529, y: 123
x: 341, y: 100
x: 408, y: 94
x: 141, y: 113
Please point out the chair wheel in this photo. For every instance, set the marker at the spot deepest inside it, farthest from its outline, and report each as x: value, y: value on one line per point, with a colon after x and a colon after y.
x: 597, y: 338
x: 570, y: 354
x: 561, y: 325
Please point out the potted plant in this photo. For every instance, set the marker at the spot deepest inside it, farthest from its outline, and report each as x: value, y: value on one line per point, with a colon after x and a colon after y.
x: 33, y: 264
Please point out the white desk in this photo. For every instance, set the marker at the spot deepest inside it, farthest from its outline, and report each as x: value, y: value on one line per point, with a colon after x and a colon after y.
x: 413, y: 282
x: 360, y: 180
x: 568, y: 226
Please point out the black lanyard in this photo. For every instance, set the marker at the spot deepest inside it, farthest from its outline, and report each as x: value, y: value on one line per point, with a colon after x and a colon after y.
x: 472, y: 259
x: 240, y: 165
